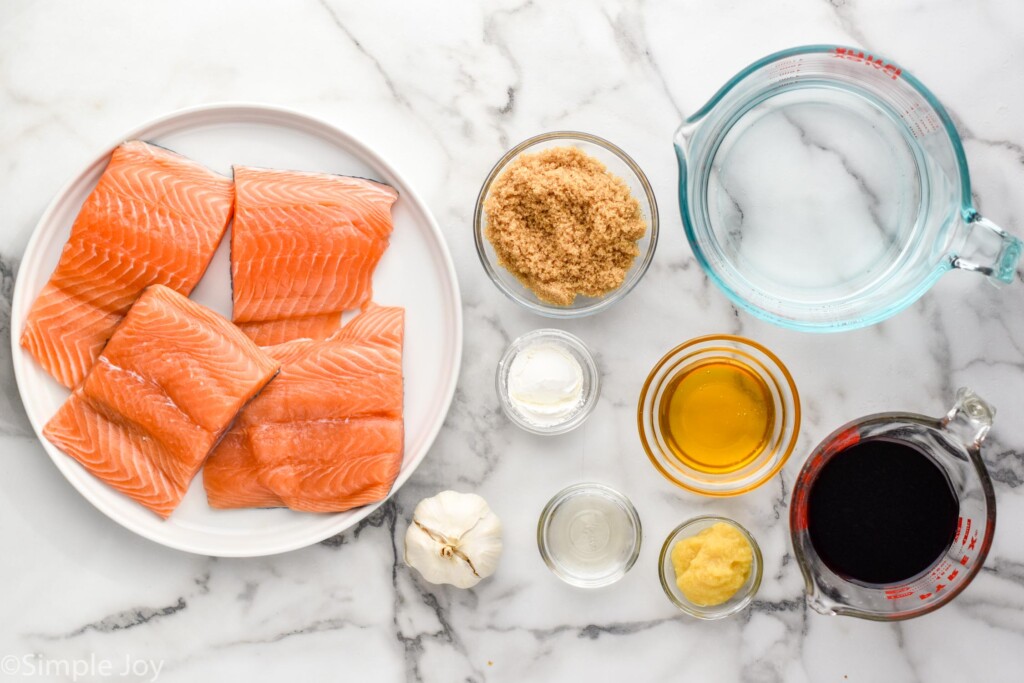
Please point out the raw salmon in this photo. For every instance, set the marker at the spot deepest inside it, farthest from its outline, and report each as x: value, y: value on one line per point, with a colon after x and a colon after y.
x: 154, y: 217
x: 231, y: 476
x: 328, y: 433
x: 303, y: 250
x: 329, y: 465
x: 163, y: 391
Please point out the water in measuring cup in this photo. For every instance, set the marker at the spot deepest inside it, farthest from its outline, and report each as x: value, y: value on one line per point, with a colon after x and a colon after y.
x: 817, y: 193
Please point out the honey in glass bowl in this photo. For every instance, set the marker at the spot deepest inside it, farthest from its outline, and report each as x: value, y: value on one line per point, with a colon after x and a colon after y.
x: 719, y: 415
x: 716, y: 416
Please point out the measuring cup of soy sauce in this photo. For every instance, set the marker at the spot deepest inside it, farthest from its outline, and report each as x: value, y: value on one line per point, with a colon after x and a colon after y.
x: 824, y: 189
x: 893, y: 514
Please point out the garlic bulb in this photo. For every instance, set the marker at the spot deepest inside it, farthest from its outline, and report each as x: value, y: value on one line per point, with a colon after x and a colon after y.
x: 454, y: 538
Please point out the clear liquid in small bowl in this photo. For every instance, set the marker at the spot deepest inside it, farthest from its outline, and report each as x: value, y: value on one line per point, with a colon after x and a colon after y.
x: 589, y: 535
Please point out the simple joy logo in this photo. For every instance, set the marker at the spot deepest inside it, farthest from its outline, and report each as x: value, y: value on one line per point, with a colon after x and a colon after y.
x: 77, y: 669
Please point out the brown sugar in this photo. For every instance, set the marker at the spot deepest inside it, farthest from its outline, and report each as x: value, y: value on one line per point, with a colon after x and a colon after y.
x: 563, y: 224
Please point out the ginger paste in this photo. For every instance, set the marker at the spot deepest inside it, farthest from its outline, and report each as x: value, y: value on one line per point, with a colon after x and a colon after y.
x: 713, y: 565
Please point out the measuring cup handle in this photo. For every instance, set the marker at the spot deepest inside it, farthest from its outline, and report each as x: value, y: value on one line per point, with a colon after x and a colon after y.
x: 970, y: 419
x: 989, y: 250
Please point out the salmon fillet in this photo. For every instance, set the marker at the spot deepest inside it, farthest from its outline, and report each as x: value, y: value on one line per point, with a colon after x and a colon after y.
x: 154, y: 217
x: 327, y: 434
x: 329, y: 465
x: 303, y: 250
x: 231, y: 476
x: 163, y: 391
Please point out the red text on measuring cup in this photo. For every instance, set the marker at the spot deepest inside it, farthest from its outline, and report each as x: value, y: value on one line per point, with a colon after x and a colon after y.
x: 890, y: 69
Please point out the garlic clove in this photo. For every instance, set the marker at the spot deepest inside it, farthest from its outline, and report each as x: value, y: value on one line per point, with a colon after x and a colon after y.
x: 450, y: 513
x: 482, y: 545
x: 454, y: 538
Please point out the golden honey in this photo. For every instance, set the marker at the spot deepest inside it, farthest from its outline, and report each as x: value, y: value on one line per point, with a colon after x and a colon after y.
x: 716, y: 416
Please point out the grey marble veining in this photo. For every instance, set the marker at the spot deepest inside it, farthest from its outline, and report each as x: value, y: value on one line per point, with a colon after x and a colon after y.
x: 442, y: 90
x: 13, y: 420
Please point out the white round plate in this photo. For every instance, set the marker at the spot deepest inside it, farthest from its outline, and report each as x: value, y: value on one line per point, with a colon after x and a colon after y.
x: 416, y: 272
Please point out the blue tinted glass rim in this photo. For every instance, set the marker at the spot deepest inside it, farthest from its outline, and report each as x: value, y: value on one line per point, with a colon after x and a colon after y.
x: 967, y: 208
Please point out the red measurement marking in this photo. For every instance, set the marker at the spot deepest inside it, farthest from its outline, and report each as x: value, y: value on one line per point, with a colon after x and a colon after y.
x: 953, y: 574
x: 959, y: 523
x: 974, y: 540
x: 925, y: 596
x: 898, y: 592
x: 963, y: 560
x: 891, y: 70
x: 799, y: 514
x: 967, y: 532
x: 939, y: 587
x: 844, y: 440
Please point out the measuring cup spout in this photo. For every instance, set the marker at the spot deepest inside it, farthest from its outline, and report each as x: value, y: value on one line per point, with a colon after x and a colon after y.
x: 820, y: 604
x: 819, y: 599
x: 989, y: 250
x: 970, y: 419
x: 684, y: 132
x: 680, y: 141
x: 816, y: 597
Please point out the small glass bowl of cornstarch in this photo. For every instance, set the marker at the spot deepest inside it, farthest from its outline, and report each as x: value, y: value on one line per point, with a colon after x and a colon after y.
x: 547, y: 382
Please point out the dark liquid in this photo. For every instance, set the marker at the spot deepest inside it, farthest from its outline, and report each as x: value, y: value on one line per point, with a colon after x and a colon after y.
x: 881, y: 512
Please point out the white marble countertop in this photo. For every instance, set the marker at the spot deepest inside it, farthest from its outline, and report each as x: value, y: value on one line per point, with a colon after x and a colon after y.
x: 442, y: 89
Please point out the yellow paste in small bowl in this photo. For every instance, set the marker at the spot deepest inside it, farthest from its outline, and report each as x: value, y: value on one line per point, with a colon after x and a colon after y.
x: 712, y: 566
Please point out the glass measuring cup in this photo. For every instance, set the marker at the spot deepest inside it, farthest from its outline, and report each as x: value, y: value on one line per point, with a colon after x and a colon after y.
x: 824, y: 188
x: 953, y: 442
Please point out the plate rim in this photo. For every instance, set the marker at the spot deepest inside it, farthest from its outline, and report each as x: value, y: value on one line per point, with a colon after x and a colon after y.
x: 270, y: 114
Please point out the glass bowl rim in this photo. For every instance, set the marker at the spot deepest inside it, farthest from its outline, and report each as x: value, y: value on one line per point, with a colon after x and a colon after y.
x: 606, y: 301
x: 709, y: 613
x: 741, y: 342
x: 563, y: 495
x: 590, y: 371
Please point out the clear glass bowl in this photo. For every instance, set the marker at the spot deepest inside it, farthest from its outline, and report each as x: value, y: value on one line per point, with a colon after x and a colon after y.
x: 584, y: 548
x: 784, y: 433
x: 618, y: 163
x: 591, y: 380
x: 667, y: 573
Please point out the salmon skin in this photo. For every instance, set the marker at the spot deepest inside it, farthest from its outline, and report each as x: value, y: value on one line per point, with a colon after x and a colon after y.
x: 327, y: 434
x: 154, y: 217
x: 304, y: 247
x: 159, y: 397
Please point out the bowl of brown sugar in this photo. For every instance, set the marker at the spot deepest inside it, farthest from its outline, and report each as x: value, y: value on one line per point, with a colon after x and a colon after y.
x: 566, y: 224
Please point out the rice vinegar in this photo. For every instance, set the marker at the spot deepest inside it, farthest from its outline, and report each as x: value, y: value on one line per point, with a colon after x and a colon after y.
x: 716, y: 416
x: 590, y: 536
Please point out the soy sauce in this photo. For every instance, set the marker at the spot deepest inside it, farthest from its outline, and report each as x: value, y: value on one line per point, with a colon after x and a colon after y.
x: 881, y: 512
